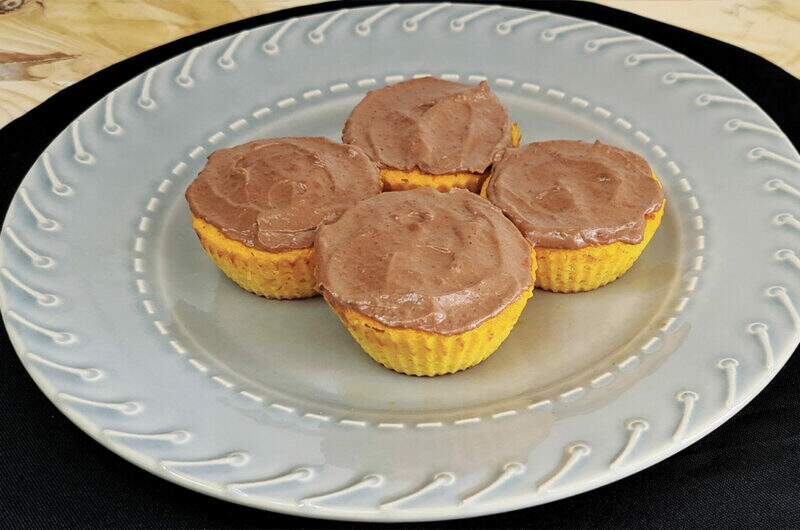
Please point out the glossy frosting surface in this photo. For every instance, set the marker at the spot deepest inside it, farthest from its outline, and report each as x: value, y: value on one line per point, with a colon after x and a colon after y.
x: 273, y: 194
x: 570, y: 194
x: 432, y: 125
x: 422, y: 259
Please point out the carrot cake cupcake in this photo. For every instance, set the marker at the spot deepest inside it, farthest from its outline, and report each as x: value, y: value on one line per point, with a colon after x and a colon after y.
x: 427, y: 282
x: 256, y: 208
x: 588, y: 209
x: 431, y: 133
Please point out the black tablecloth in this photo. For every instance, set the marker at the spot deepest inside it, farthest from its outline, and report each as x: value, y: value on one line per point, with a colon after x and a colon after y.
x: 744, y: 474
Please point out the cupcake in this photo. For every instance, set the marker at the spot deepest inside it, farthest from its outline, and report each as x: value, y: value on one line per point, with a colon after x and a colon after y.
x: 431, y: 133
x: 588, y: 209
x: 256, y: 208
x: 427, y: 282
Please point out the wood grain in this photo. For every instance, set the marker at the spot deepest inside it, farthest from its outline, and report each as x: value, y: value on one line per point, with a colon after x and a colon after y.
x: 46, y: 45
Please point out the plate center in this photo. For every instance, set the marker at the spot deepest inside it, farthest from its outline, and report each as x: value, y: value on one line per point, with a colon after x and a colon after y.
x: 298, y: 350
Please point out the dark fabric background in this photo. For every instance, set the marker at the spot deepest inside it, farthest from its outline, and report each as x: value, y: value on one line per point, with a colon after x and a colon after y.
x: 744, y: 474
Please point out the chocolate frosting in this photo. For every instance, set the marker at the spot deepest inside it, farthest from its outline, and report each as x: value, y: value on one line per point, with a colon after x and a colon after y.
x: 570, y: 194
x: 273, y: 194
x: 423, y: 259
x: 435, y: 126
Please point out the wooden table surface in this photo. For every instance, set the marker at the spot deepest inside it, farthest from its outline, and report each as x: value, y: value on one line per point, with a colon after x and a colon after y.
x: 46, y: 45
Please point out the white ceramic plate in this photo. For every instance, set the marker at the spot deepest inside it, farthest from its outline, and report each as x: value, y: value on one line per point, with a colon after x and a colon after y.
x: 134, y: 334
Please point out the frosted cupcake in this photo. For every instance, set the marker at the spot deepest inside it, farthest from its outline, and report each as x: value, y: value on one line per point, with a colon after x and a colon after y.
x: 256, y: 208
x: 431, y: 133
x: 588, y: 209
x: 427, y: 283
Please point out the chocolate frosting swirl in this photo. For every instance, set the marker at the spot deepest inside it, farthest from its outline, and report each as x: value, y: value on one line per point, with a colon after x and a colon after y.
x: 435, y: 126
x: 273, y: 194
x: 422, y: 259
x: 570, y: 194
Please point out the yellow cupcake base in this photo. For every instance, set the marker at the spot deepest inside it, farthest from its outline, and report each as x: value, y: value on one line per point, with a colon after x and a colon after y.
x: 587, y: 268
x: 399, y: 180
x: 422, y: 353
x: 281, y: 275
